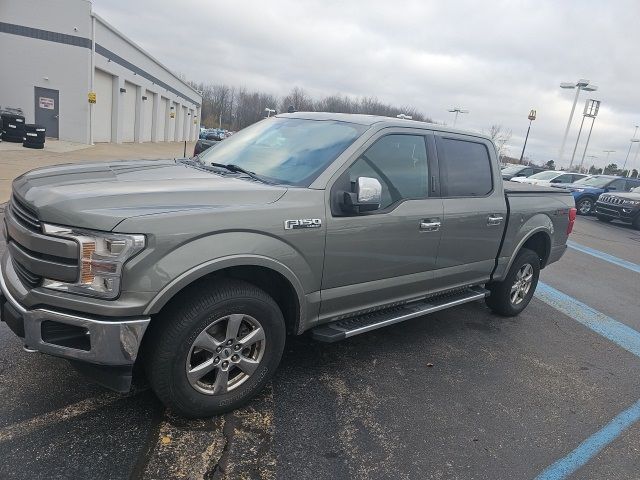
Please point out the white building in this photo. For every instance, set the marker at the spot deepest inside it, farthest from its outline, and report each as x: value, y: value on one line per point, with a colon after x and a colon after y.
x: 54, y: 53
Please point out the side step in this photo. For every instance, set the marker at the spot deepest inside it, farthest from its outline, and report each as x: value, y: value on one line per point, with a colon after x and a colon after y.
x: 349, y: 327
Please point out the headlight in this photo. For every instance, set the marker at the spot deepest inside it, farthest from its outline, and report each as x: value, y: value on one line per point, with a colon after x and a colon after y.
x: 102, y: 255
x: 577, y: 189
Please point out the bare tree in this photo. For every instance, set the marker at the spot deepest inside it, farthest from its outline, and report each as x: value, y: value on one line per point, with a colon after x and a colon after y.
x: 500, y: 137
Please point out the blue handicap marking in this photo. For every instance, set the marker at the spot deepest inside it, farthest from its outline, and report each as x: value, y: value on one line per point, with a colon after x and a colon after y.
x: 620, y: 334
x: 634, y: 267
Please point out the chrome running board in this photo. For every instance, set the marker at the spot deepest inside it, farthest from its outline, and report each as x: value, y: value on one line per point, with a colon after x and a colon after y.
x: 349, y: 327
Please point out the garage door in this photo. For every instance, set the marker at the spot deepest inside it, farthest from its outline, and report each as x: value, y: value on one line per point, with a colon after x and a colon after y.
x: 172, y: 122
x: 128, y: 112
x: 185, y: 121
x: 163, y: 114
x: 179, y: 123
x: 102, y: 110
x: 148, y: 116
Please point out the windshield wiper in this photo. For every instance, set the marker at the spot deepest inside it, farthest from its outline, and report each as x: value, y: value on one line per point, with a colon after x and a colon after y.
x: 238, y: 169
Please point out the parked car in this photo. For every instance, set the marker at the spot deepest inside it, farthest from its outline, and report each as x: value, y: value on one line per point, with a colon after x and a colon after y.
x: 514, y: 171
x: 548, y: 177
x: 197, y: 269
x: 206, y: 140
x: 624, y: 206
x: 586, y: 191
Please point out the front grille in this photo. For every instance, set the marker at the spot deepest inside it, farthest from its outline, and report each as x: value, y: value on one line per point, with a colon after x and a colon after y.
x: 24, y: 215
x: 611, y: 200
x: 29, y: 279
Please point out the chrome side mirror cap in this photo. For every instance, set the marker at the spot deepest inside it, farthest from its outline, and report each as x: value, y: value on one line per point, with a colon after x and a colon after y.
x: 366, y: 197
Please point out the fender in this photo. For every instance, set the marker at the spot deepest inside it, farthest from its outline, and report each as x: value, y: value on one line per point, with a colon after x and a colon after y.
x: 548, y: 231
x: 211, y: 266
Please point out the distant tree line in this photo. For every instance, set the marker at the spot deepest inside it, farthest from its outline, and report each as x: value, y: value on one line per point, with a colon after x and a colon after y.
x: 233, y: 108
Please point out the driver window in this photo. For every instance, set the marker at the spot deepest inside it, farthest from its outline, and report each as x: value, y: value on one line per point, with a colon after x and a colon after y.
x: 617, y: 185
x: 399, y: 162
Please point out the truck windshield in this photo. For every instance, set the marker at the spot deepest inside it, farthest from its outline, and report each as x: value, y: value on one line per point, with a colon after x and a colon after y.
x: 595, y: 182
x: 288, y: 151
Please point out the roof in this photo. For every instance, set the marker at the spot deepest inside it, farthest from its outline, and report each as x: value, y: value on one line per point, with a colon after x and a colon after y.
x: 362, y: 119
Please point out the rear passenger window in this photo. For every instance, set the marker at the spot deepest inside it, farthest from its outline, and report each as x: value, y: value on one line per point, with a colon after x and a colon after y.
x: 466, y: 169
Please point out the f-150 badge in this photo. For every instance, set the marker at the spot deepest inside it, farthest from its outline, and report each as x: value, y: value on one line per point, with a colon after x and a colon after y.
x: 302, y: 223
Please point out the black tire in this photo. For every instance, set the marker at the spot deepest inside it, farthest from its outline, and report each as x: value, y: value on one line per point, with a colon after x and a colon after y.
x: 636, y: 222
x: 171, y: 336
x: 604, y: 219
x: 500, y: 300
x: 582, y: 205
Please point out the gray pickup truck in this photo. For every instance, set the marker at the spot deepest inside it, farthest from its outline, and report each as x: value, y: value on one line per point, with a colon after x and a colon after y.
x: 196, y: 270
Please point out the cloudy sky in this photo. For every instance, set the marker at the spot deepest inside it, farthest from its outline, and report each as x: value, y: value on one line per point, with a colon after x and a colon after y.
x: 497, y: 59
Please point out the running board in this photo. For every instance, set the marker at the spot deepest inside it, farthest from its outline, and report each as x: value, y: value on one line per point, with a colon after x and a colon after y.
x: 349, y: 327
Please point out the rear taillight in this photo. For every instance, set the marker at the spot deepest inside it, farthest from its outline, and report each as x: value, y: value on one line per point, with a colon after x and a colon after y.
x: 572, y: 220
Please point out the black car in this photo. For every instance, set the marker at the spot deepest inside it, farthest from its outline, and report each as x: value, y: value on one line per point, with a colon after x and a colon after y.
x: 206, y: 140
x: 624, y: 206
x: 513, y: 171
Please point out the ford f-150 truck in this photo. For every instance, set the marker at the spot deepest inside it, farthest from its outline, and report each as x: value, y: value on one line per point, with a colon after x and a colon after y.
x: 196, y: 270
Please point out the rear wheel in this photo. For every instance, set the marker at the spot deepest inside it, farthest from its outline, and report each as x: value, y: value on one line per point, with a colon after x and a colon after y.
x: 585, y: 205
x: 511, y: 296
x: 216, y: 350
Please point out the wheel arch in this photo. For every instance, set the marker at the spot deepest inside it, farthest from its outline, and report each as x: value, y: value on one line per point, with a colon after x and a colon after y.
x: 537, y: 240
x: 268, y: 274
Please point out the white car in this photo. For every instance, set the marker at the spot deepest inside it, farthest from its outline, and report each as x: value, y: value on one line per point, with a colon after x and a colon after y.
x: 550, y: 176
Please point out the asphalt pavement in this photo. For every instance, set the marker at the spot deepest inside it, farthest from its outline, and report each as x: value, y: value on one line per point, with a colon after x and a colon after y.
x: 458, y: 394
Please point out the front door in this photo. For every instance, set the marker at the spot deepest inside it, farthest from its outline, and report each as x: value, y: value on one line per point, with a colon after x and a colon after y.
x: 475, y: 210
x: 388, y: 255
x: 47, y: 110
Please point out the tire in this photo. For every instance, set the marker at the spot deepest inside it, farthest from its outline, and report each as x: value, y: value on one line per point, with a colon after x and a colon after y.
x: 209, y: 309
x: 500, y: 300
x: 585, y: 206
x: 604, y: 219
x: 636, y: 222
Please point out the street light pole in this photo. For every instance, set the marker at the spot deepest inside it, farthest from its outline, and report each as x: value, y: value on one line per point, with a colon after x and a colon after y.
x: 608, y: 152
x: 633, y: 140
x: 457, y: 110
x: 581, y: 84
x: 531, y: 117
x: 591, y: 108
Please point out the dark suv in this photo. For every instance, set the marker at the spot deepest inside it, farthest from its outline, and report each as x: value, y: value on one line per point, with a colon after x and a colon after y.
x: 620, y: 206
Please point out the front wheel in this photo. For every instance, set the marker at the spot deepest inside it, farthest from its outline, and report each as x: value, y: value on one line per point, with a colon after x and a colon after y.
x: 216, y: 349
x: 585, y: 205
x: 511, y: 296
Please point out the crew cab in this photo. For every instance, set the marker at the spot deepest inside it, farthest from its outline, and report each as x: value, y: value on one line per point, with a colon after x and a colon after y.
x: 195, y: 270
x: 587, y: 191
x: 624, y: 206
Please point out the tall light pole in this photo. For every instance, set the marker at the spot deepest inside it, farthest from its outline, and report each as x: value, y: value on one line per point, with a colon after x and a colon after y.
x: 592, y: 157
x: 590, y: 110
x: 581, y: 84
x: 269, y: 111
x: 457, y: 111
x: 531, y: 117
x: 608, y: 152
x: 633, y: 140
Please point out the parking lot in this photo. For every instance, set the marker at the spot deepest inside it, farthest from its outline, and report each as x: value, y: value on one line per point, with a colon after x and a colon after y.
x: 458, y: 394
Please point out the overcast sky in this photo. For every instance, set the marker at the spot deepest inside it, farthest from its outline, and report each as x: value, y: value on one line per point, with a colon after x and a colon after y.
x: 497, y: 59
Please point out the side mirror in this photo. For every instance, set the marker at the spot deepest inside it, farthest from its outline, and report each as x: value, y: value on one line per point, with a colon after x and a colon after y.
x: 366, y: 197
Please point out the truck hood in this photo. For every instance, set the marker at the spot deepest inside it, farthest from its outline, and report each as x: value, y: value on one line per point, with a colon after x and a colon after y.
x: 100, y: 195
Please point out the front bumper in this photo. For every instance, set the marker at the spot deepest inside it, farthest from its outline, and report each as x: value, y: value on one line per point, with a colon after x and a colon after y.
x: 619, y: 212
x: 74, y: 337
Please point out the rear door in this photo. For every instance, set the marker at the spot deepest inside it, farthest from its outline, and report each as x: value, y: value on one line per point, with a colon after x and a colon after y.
x: 388, y: 255
x: 47, y: 110
x: 474, y: 210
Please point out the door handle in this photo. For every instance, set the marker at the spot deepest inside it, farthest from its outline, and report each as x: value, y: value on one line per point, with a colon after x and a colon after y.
x: 430, y: 225
x: 494, y: 219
